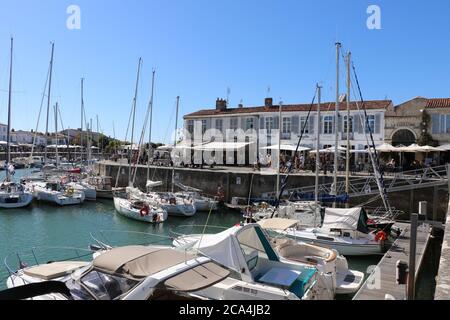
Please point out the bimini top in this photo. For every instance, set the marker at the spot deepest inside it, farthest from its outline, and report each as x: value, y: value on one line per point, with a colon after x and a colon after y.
x: 277, y: 223
x: 345, y: 219
x: 139, y: 261
x: 197, y: 278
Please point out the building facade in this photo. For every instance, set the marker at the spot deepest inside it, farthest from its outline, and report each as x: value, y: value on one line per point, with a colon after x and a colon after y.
x: 214, y: 124
x: 419, y: 120
x: 27, y: 137
x: 3, y: 132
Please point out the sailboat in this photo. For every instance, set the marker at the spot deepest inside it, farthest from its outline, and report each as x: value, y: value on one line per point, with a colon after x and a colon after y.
x: 176, y: 205
x: 12, y: 194
x: 133, y: 207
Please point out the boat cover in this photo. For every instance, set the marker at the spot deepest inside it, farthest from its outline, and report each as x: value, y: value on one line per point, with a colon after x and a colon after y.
x: 345, y: 219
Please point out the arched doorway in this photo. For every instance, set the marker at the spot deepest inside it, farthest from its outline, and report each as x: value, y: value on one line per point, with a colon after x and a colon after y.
x: 404, y: 137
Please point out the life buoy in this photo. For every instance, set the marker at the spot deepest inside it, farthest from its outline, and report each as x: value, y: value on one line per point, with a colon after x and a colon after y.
x: 381, y: 236
x: 144, y: 210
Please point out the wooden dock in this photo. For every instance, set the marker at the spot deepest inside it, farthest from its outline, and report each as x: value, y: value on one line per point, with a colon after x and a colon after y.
x: 382, y: 281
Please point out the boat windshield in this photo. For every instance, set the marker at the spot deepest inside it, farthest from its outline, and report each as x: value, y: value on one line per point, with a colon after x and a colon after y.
x: 103, y: 286
x: 254, y: 245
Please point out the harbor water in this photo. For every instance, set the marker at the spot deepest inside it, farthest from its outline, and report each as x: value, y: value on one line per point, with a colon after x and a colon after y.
x: 43, y: 225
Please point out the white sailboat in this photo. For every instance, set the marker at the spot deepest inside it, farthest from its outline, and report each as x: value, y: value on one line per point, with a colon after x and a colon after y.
x: 55, y: 192
x: 201, y: 203
x: 136, y: 205
x: 12, y: 195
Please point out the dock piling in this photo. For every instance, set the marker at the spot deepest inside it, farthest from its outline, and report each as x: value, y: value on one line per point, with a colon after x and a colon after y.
x: 412, y: 257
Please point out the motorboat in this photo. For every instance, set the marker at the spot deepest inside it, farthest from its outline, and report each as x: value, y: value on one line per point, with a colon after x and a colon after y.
x: 55, y: 192
x: 258, y: 271
x: 124, y: 273
x: 344, y: 230
x: 14, y: 195
x: 140, y: 210
x: 327, y: 261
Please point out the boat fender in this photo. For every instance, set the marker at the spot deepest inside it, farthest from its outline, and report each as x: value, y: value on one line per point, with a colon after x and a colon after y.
x: 144, y: 210
x: 380, y: 236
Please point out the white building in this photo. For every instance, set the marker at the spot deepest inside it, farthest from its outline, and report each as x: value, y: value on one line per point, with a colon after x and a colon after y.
x: 27, y: 137
x: 293, y: 119
x: 3, y: 132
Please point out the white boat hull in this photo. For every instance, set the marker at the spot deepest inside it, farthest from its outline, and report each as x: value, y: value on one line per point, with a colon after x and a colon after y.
x: 58, y: 197
x: 347, y: 248
x: 124, y: 208
x: 23, y: 200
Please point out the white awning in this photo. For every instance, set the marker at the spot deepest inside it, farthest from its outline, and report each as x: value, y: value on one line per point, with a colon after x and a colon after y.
x: 386, y: 147
x: 330, y: 150
x: 222, y: 146
x: 445, y: 147
x: 286, y: 147
x: 346, y: 219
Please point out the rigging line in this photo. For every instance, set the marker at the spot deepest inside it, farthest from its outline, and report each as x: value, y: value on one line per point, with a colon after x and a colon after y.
x: 68, y: 136
x: 375, y: 162
x: 40, y: 111
x: 286, y: 177
x: 141, y: 141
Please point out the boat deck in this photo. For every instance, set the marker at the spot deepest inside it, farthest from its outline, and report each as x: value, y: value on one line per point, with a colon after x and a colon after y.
x: 382, y: 281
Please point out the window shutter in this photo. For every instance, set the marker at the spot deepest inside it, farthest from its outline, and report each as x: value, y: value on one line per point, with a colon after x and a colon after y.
x: 312, y: 123
x: 276, y: 122
x: 435, y: 123
x: 340, y: 118
x: 295, y: 130
x: 357, y: 122
x: 378, y: 123
x: 321, y: 125
x: 256, y: 123
x: 261, y: 123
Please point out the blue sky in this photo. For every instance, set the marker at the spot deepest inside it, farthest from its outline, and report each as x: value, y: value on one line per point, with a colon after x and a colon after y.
x: 201, y: 47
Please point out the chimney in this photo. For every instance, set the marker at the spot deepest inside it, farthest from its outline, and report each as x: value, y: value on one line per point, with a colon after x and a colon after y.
x: 221, y: 104
x: 268, y: 102
x: 240, y: 105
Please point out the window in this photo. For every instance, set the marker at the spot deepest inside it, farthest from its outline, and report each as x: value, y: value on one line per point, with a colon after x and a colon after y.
x: 302, y: 124
x: 190, y: 126
x: 447, y: 122
x: 328, y: 124
x: 105, y: 286
x: 203, y: 126
x: 249, y: 123
x: 219, y: 124
x: 350, y: 124
x: 233, y: 123
x: 286, y: 125
x: 371, y: 123
x: 269, y: 124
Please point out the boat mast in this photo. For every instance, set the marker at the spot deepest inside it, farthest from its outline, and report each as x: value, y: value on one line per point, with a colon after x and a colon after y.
x: 56, y: 131
x: 48, y: 101
x: 347, y: 156
x: 132, y: 126
x: 175, y: 142
x: 319, y: 90
x: 82, y: 113
x: 336, y: 122
x: 150, y: 126
x: 280, y: 123
x: 8, y: 157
